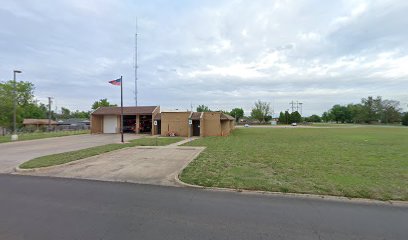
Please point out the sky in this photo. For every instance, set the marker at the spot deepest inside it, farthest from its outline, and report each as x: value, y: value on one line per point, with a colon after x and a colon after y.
x: 223, y: 54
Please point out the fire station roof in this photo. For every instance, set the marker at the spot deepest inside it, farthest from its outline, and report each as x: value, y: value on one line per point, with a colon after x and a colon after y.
x: 223, y: 116
x: 140, y: 110
x: 157, y: 116
x: 195, y: 116
x: 226, y: 117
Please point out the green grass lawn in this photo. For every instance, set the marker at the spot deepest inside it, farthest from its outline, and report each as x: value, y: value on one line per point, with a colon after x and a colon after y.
x: 40, y: 135
x: 61, y: 158
x: 353, y: 162
x: 335, y: 125
x: 352, y: 125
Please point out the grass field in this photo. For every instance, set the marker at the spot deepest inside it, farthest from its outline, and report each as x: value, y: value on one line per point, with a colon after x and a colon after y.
x: 350, y: 125
x: 362, y: 162
x: 40, y: 135
x: 61, y: 158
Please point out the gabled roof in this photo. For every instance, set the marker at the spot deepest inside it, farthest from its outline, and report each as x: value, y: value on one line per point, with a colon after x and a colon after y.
x: 71, y: 121
x: 31, y: 121
x: 223, y: 116
x: 157, y: 117
x: 140, y: 110
x: 195, y: 115
x: 226, y: 117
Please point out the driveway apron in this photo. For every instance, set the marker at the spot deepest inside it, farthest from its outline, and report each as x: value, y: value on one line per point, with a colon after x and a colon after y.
x: 14, y: 153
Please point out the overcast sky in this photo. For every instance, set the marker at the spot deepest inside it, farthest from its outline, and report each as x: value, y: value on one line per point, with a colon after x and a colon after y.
x: 223, y: 54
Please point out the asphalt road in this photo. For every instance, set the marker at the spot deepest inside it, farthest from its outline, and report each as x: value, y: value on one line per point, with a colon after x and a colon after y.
x: 55, y: 208
x: 13, y: 154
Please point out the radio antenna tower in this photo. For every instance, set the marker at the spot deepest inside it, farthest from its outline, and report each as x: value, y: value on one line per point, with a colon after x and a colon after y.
x: 136, y: 65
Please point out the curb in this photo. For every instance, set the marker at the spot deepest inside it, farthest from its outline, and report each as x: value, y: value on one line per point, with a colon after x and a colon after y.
x: 23, y: 170
x: 296, y: 195
x: 288, y: 195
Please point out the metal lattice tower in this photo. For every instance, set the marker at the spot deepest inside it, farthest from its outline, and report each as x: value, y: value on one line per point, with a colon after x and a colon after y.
x: 292, y: 105
x: 136, y: 65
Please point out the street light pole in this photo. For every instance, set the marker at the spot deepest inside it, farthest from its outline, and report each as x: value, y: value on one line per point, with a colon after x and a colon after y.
x: 14, y: 137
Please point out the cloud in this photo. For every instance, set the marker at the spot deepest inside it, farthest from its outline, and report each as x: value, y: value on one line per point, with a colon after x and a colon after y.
x: 219, y: 53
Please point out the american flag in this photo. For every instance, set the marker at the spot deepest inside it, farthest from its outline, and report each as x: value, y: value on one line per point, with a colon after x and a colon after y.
x: 116, y: 82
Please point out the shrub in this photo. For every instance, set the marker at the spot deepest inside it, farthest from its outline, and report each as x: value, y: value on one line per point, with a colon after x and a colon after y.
x: 405, y: 119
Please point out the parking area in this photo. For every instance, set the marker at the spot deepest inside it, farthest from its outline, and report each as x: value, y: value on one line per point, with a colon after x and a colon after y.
x: 14, y: 153
x: 148, y: 165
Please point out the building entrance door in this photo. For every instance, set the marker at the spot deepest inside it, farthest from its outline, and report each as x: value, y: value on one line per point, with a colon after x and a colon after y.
x: 196, y: 128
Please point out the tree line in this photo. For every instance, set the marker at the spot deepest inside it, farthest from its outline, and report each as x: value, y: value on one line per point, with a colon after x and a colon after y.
x: 370, y: 110
x: 260, y: 112
x: 28, y: 107
x: 289, y: 118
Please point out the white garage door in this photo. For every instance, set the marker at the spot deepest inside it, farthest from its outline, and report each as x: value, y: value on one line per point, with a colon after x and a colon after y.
x: 110, y: 124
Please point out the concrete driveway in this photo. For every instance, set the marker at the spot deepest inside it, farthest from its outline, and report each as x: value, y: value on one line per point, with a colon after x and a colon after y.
x: 14, y: 153
x: 149, y: 165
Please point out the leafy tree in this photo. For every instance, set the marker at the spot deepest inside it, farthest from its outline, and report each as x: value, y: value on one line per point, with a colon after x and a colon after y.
x: 326, y: 117
x: 268, y: 118
x: 282, y: 118
x: 390, y: 111
x: 313, y: 118
x: 80, y: 114
x: 260, y: 111
x: 405, y: 119
x: 295, y: 117
x: 65, y: 113
x: 102, y: 103
x: 237, y: 113
x: 287, y: 117
x: 26, y: 106
x: 339, y: 113
x: 356, y: 113
x: 258, y: 115
x: 35, y: 110
x: 226, y: 112
x: 203, y: 108
x: 370, y: 110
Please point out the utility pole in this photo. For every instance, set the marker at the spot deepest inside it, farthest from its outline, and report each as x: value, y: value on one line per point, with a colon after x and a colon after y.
x: 121, y: 109
x: 292, y: 105
x: 49, y: 113
x: 56, y: 107
x: 14, y: 136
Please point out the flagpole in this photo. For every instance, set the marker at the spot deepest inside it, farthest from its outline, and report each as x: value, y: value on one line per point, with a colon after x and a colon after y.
x: 121, y: 108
